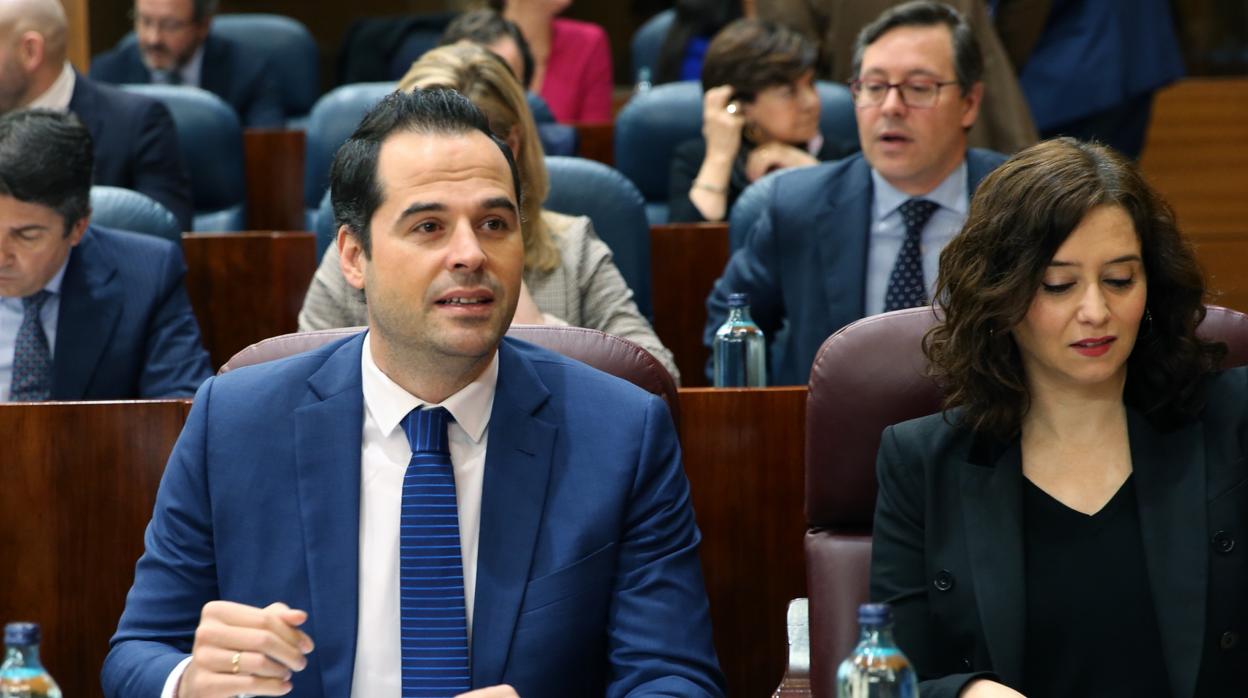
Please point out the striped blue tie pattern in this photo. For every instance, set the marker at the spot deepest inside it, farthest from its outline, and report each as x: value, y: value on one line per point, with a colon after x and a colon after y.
x: 433, y: 623
x: 32, y: 359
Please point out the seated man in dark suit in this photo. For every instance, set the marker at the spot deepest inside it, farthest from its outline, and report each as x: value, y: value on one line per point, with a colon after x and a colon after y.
x: 436, y: 506
x: 175, y: 46
x: 863, y: 235
x: 86, y: 313
x: 136, y: 146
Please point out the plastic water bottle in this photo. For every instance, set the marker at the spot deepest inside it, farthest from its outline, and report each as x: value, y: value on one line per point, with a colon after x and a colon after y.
x: 643, y: 83
x: 877, y: 668
x: 739, y: 352
x: 21, y: 675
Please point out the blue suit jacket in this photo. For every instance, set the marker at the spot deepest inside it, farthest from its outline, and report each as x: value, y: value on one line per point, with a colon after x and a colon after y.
x: 804, y: 261
x: 125, y: 329
x: 238, y: 76
x: 588, y: 580
x: 136, y: 145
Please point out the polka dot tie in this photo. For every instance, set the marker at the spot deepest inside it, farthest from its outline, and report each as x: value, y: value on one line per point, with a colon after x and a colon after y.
x: 905, y: 285
x: 432, y: 615
x: 32, y: 361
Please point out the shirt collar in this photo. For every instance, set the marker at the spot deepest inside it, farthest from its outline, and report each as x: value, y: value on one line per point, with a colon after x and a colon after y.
x: 388, y: 403
x: 59, y: 93
x: 950, y: 194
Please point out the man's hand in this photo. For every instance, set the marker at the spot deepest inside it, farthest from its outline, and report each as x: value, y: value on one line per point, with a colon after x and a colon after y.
x: 776, y: 156
x: 245, y: 650
x: 503, y: 691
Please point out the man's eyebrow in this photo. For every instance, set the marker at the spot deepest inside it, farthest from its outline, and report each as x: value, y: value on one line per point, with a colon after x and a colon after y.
x: 420, y: 207
x: 499, y: 202
x: 1115, y: 260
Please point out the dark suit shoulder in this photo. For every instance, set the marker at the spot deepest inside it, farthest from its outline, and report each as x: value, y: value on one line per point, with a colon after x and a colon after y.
x: 800, y: 183
x: 114, y: 102
x: 127, y: 242
x: 924, y: 448
x: 572, y: 380
x: 119, y: 65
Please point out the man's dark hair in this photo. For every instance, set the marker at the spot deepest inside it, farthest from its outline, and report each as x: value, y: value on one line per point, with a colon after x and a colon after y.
x: 968, y: 59
x: 485, y: 27
x: 203, y: 9
x: 46, y: 158
x: 354, y: 189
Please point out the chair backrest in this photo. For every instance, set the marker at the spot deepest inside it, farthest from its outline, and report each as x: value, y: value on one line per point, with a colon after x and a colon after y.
x: 333, y: 120
x: 125, y: 209
x: 647, y: 131
x: 867, y: 376
x: 289, y: 48
x: 654, y: 122
x: 210, y: 139
x: 644, y: 48
x: 583, y: 187
x: 608, y: 353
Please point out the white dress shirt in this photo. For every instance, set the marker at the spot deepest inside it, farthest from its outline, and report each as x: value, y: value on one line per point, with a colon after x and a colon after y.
x: 11, y: 313
x: 57, y: 96
x: 384, y: 455
x: 888, y: 231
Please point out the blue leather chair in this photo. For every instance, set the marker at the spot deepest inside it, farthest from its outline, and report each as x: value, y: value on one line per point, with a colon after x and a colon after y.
x: 653, y: 123
x: 578, y: 187
x: 290, y: 50
x: 124, y: 209
x: 581, y: 187
x: 211, y: 140
x: 644, y: 48
x: 333, y: 119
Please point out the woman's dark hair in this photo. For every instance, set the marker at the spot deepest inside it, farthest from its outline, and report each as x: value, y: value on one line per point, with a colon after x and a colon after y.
x: 990, y: 272
x: 484, y: 27
x: 753, y: 54
x: 694, y: 18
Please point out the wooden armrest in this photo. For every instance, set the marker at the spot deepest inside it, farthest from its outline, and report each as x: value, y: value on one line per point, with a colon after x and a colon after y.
x: 796, y: 680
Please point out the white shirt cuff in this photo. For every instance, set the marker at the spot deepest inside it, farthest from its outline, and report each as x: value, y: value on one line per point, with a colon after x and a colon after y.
x: 171, y: 684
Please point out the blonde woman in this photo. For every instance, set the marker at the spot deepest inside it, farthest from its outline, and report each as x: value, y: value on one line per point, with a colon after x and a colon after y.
x: 569, y: 277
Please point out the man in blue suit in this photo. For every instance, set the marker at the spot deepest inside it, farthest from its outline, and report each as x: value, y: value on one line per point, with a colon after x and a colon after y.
x: 564, y: 554
x: 136, y: 146
x: 86, y: 313
x: 843, y: 240
x: 173, y: 44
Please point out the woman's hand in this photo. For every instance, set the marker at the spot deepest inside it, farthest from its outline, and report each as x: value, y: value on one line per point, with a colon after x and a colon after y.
x: 983, y: 688
x: 720, y: 129
x: 776, y: 156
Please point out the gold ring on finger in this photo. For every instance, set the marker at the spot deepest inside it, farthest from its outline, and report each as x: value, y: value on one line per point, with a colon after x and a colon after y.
x: 235, y: 662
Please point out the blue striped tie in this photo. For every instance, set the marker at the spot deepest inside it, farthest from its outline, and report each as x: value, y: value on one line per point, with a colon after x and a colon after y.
x: 431, y: 572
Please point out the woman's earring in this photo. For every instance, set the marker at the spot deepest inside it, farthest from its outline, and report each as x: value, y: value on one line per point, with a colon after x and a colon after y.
x: 1146, y: 325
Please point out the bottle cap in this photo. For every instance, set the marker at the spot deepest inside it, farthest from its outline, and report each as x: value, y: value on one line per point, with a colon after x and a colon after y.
x: 21, y: 634
x: 738, y: 300
x: 874, y: 614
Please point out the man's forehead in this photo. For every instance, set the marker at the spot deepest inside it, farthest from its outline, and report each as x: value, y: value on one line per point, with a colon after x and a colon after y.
x: 410, y: 159
x: 166, y: 7
x: 927, y: 47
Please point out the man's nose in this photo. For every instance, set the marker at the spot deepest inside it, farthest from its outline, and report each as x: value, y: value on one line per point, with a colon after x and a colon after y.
x: 465, y: 251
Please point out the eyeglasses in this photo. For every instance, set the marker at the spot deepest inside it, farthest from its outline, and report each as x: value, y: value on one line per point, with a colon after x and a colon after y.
x: 919, y: 94
x: 162, y: 26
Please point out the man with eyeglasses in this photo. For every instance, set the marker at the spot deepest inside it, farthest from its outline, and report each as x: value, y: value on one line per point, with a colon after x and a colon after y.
x: 173, y: 45
x: 863, y: 235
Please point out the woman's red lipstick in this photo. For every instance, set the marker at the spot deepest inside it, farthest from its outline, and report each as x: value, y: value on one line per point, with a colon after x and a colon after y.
x: 1094, y: 346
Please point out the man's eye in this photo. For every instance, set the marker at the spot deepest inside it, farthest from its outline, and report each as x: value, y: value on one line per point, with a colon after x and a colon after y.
x: 427, y: 227
x: 496, y: 224
x: 875, y: 88
x: 920, y: 88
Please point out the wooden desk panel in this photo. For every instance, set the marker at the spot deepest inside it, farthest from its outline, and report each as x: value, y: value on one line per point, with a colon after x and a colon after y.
x: 274, y: 163
x: 744, y: 454
x: 596, y: 142
x: 685, y: 261
x: 246, y: 287
x: 80, y: 481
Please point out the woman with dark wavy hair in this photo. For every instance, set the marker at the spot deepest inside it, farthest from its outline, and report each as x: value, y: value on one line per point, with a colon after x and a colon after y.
x: 1066, y: 526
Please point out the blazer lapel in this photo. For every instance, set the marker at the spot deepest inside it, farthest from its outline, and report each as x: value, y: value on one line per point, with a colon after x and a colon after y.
x: 843, y: 246
x: 327, y: 459
x: 1170, y: 485
x: 90, y: 305
x: 213, y: 75
x: 517, y: 468
x: 992, y: 507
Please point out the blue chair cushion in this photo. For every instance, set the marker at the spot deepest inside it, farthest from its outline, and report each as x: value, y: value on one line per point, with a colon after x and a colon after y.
x: 290, y: 49
x: 644, y: 48
x: 333, y: 120
x: 124, y: 209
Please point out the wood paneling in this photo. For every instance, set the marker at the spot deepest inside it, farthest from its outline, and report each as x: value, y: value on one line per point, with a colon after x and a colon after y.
x: 78, y: 13
x: 79, y: 483
x: 245, y: 287
x: 274, y: 161
x: 596, y: 142
x: 743, y: 452
x: 685, y: 261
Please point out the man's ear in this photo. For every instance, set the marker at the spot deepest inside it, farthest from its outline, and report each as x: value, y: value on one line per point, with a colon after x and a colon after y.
x: 31, y: 49
x: 970, y: 104
x: 351, y: 257
x: 76, y: 232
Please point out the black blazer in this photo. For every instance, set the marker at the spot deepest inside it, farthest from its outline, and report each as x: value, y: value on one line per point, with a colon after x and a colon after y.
x: 240, y: 77
x: 136, y: 145
x: 125, y: 329
x: 948, y: 549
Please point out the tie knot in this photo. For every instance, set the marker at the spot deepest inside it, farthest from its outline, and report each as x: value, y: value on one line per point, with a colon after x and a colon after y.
x: 34, y: 302
x: 426, y: 430
x: 915, y: 213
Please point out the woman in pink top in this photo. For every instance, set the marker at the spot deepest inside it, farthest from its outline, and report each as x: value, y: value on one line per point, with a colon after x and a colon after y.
x: 571, y: 59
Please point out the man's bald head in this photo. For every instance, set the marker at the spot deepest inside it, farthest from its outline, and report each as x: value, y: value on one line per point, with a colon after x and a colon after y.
x: 33, y: 37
